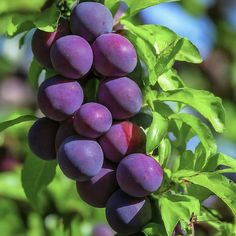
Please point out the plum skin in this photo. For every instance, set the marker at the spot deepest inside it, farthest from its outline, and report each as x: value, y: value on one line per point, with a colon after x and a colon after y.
x: 121, y: 96
x: 41, y: 138
x: 92, y: 120
x: 102, y: 230
x: 122, y: 139
x: 59, y: 98
x: 139, y: 175
x: 65, y: 130
x: 98, y: 189
x: 114, y: 55
x: 80, y: 159
x: 71, y: 56
x: 42, y: 42
x: 126, y: 214
x: 90, y: 20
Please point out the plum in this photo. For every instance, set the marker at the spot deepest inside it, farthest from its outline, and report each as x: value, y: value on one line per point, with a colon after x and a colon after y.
x: 98, y: 190
x: 71, y: 56
x: 92, y: 120
x: 114, y: 55
x: 59, y: 98
x: 41, y: 138
x: 42, y: 42
x: 126, y: 214
x: 90, y: 20
x: 80, y: 159
x: 139, y: 175
x: 122, y: 139
x: 65, y: 130
x: 121, y: 96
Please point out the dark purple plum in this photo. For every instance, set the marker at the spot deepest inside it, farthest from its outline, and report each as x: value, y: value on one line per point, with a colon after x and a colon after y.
x: 139, y: 175
x: 126, y: 214
x: 80, y: 159
x: 99, y: 189
x: 59, y: 98
x: 92, y: 120
x: 42, y: 42
x: 114, y: 55
x: 122, y: 139
x: 65, y: 130
x: 41, y: 138
x: 102, y: 230
x: 90, y: 20
x: 121, y: 96
x: 71, y: 56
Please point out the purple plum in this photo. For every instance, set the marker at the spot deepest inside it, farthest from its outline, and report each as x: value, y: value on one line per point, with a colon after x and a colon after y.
x: 90, y: 20
x: 80, y: 159
x: 92, y: 120
x: 122, y: 139
x: 139, y: 175
x: 121, y: 96
x: 41, y: 138
x: 114, y: 55
x: 99, y: 189
x: 42, y: 42
x: 126, y: 214
x: 71, y: 56
x: 59, y: 98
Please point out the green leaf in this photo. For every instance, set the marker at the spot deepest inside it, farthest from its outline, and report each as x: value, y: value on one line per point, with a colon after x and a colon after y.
x: 189, y: 53
x: 164, y: 151
x: 34, y: 71
x: 48, y: 19
x: 219, y: 185
x: 166, y: 58
x: 156, y: 132
x: 204, y: 102
x: 113, y: 5
x: 158, y: 47
x: 221, y: 159
x: 36, y: 175
x: 170, y: 81
x: 6, y: 124
x: 146, y: 54
x: 175, y: 208
x: 200, y: 129
x: 18, y: 23
x: 136, y: 6
x: 153, y: 229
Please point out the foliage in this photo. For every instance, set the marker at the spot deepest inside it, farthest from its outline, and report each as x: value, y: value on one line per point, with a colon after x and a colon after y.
x: 173, y: 107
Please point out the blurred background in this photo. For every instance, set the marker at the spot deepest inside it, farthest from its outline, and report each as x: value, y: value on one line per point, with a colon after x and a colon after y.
x: 209, y: 24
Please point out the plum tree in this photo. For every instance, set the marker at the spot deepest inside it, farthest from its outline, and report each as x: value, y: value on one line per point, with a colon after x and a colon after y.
x: 42, y: 42
x: 102, y: 230
x: 80, y: 159
x: 114, y: 55
x: 59, y: 98
x: 41, y: 138
x: 92, y: 120
x: 65, y: 130
x: 126, y: 214
x: 121, y: 96
x: 122, y: 139
x: 71, y: 56
x: 139, y: 175
x: 98, y: 190
x: 90, y: 20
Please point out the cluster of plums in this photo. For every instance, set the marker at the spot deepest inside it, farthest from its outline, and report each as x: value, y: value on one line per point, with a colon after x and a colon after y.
x: 93, y: 142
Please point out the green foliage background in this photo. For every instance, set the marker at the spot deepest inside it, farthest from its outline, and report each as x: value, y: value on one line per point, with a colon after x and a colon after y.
x: 189, y: 177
